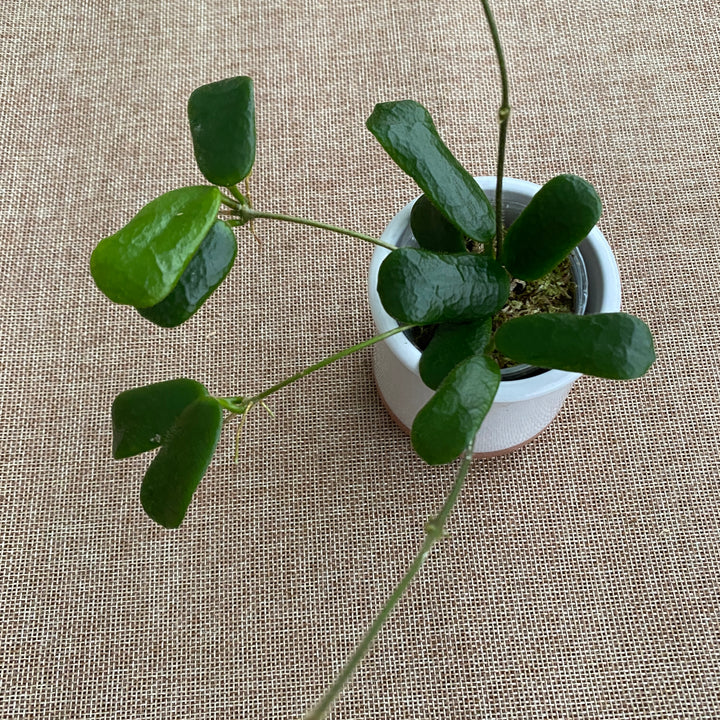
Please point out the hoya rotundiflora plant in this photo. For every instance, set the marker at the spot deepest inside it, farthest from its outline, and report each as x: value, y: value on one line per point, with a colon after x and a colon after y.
x: 169, y: 259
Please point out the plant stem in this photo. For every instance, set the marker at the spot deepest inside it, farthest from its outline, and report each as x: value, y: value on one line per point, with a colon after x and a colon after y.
x: 226, y: 200
x: 328, y: 360
x: 251, y: 214
x: 237, y: 194
x: 239, y: 404
x: 434, y: 531
x: 504, y: 117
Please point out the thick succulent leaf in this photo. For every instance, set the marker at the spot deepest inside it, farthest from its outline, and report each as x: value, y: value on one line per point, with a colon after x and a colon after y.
x: 608, y: 345
x: 141, y: 263
x: 222, y: 124
x: 432, y: 230
x: 407, y: 133
x: 448, y: 422
x: 422, y: 287
x: 207, y: 269
x: 176, y: 470
x: 142, y: 417
x: 557, y: 218
x: 450, y: 345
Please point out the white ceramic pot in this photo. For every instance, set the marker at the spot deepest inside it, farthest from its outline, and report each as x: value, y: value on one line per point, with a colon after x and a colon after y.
x: 522, y: 408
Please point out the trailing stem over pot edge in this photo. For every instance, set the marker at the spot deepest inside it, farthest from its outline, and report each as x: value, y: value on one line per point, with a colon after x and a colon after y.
x: 169, y: 259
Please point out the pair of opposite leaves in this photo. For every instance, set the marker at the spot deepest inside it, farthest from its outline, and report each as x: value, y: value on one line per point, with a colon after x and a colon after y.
x: 175, y: 252
x: 185, y: 422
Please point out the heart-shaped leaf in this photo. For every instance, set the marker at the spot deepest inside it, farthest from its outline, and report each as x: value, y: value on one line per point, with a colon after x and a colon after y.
x: 207, y: 269
x: 142, y: 417
x: 609, y: 345
x: 407, y: 133
x: 141, y: 263
x: 422, y: 287
x: 557, y: 218
x: 222, y: 124
x: 449, y: 421
x: 433, y: 230
x: 450, y: 345
x: 176, y: 470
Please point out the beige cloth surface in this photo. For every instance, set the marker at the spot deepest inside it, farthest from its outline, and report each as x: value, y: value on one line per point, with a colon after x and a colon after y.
x: 580, y: 576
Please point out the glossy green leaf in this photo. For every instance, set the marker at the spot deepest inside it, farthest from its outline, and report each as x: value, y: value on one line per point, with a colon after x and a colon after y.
x: 450, y: 345
x: 142, y: 417
x: 558, y: 217
x: 432, y: 230
x: 422, y: 287
x: 608, y: 345
x: 449, y: 421
x: 176, y: 470
x: 407, y: 133
x: 207, y: 269
x: 222, y: 124
x: 141, y: 263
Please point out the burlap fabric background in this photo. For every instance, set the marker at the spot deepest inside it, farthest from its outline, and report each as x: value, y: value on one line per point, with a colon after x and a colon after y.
x: 580, y: 577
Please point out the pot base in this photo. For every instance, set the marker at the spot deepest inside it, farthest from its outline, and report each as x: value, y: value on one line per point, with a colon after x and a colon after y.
x: 495, y: 453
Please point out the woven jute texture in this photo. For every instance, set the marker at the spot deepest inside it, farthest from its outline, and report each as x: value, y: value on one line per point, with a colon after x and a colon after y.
x: 579, y: 578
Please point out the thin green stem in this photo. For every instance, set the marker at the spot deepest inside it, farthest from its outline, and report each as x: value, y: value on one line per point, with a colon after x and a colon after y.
x: 230, y: 202
x: 237, y: 194
x: 328, y: 360
x: 239, y: 404
x: 503, y: 117
x: 251, y: 214
x: 434, y: 531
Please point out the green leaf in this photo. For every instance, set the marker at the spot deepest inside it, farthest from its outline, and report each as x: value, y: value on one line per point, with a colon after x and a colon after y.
x: 422, y: 287
x: 207, y: 269
x: 176, y: 470
x: 608, y: 345
x: 142, y: 417
x: 432, y: 230
x: 449, y: 421
x: 557, y: 218
x: 141, y: 263
x: 407, y: 133
x: 450, y: 345
x: 222, y: 124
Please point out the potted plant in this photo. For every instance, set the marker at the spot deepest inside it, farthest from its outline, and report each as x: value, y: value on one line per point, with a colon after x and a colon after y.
x: 452, y: 291
x: 528, y: 398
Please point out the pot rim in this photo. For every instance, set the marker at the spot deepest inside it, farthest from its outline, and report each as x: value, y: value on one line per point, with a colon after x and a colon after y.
x: 594, y: 249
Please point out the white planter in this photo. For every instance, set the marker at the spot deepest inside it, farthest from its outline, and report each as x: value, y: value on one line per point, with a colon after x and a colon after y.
x: 523, y: 408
